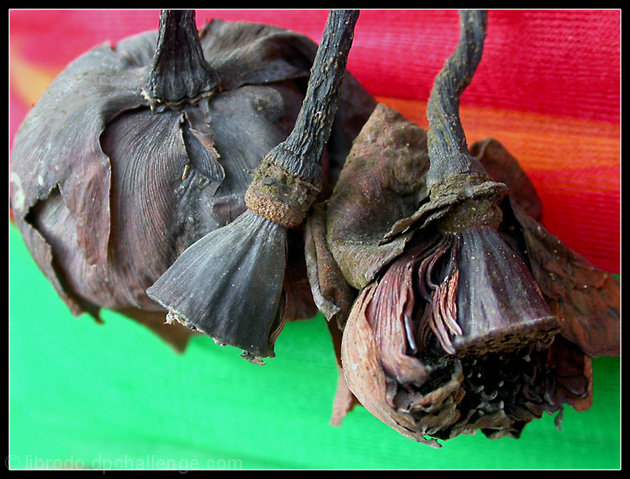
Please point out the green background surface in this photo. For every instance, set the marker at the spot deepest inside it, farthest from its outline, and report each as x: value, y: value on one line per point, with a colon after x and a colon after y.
x: 114, y: 396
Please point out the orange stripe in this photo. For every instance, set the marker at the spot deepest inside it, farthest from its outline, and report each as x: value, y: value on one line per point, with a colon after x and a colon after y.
x: 539, y: 142
x: 27, y: 79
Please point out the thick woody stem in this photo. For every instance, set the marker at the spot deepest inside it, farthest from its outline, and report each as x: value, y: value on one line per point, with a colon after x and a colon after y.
x: 289, y: 178
x: 448, y: 150
x: 179, y: 73
x: 314, y: 122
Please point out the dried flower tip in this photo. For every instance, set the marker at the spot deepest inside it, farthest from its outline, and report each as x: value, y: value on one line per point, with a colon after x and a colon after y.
x: 240, y: 306
x: 498, y: 305
x: 179, y: 72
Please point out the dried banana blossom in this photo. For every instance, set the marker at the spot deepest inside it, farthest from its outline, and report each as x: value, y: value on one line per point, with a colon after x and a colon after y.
x: 460, y: 312
x: 137, y: 151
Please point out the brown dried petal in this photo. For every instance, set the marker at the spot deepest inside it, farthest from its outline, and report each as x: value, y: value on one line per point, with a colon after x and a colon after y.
x: 45, y: 158
x: 42, y: 251
x: 243, y: 53
x: 572, y: 372
x: 298, y: 303
x: 344, y: 400
x: 584, y: 297
x: 382, y: 181
x: 136, y: 250
x: 176, y: 335
x: 366, y: 378
x: 331, y: 292
x: 501, y: 166
x: 333, y: 297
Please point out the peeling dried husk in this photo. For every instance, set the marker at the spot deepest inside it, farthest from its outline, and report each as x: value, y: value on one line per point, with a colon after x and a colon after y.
x: 110, y: 186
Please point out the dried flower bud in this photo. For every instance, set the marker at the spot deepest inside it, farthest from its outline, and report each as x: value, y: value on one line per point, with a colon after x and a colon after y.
x: 457, y: 326
x: 228, y: 284
x: 480, y: 295
x: 133, y: 154
x: 366, y: 269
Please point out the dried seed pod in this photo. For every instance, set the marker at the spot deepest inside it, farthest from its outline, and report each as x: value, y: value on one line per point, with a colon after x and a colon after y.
x: 229, y: 283
x: 483, y: 297
x: 137, y: 151
x: 401, y: 352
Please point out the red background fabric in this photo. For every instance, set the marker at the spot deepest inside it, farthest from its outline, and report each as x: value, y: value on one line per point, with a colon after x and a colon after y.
x: 548, y: 88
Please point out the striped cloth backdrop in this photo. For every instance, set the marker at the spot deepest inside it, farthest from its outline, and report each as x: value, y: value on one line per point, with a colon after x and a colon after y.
x: 548, y: 88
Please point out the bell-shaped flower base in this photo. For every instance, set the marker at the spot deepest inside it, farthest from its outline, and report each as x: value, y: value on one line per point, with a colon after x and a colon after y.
x: 228, y: 285
x: 488, y: 300
x: 500, y: 307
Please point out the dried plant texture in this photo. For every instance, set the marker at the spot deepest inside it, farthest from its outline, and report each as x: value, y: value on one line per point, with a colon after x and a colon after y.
x: 229, y: 284
x: 365, y: 271
x: 481, y: 297
x: 108, y: 186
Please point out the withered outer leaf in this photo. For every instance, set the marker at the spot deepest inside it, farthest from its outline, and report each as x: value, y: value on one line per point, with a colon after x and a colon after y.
x: 107, y: 194
x: 573, y: 374
x: 584, y: 297
x: 382, y: 181
x: 65, y: 155
x: 331, y: 292
x: 344, y: 400
x: 298, y: 300
x: 333, y: 296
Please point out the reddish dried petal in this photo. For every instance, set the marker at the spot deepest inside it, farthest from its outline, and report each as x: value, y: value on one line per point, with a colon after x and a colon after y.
x: 365, y: 375
x: 386, y: 310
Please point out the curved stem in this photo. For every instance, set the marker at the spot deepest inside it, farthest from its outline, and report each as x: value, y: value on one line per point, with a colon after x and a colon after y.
x: 179, y: 72
x: 287, y: 181
x: 448, y: 150
x: 301, y: 152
